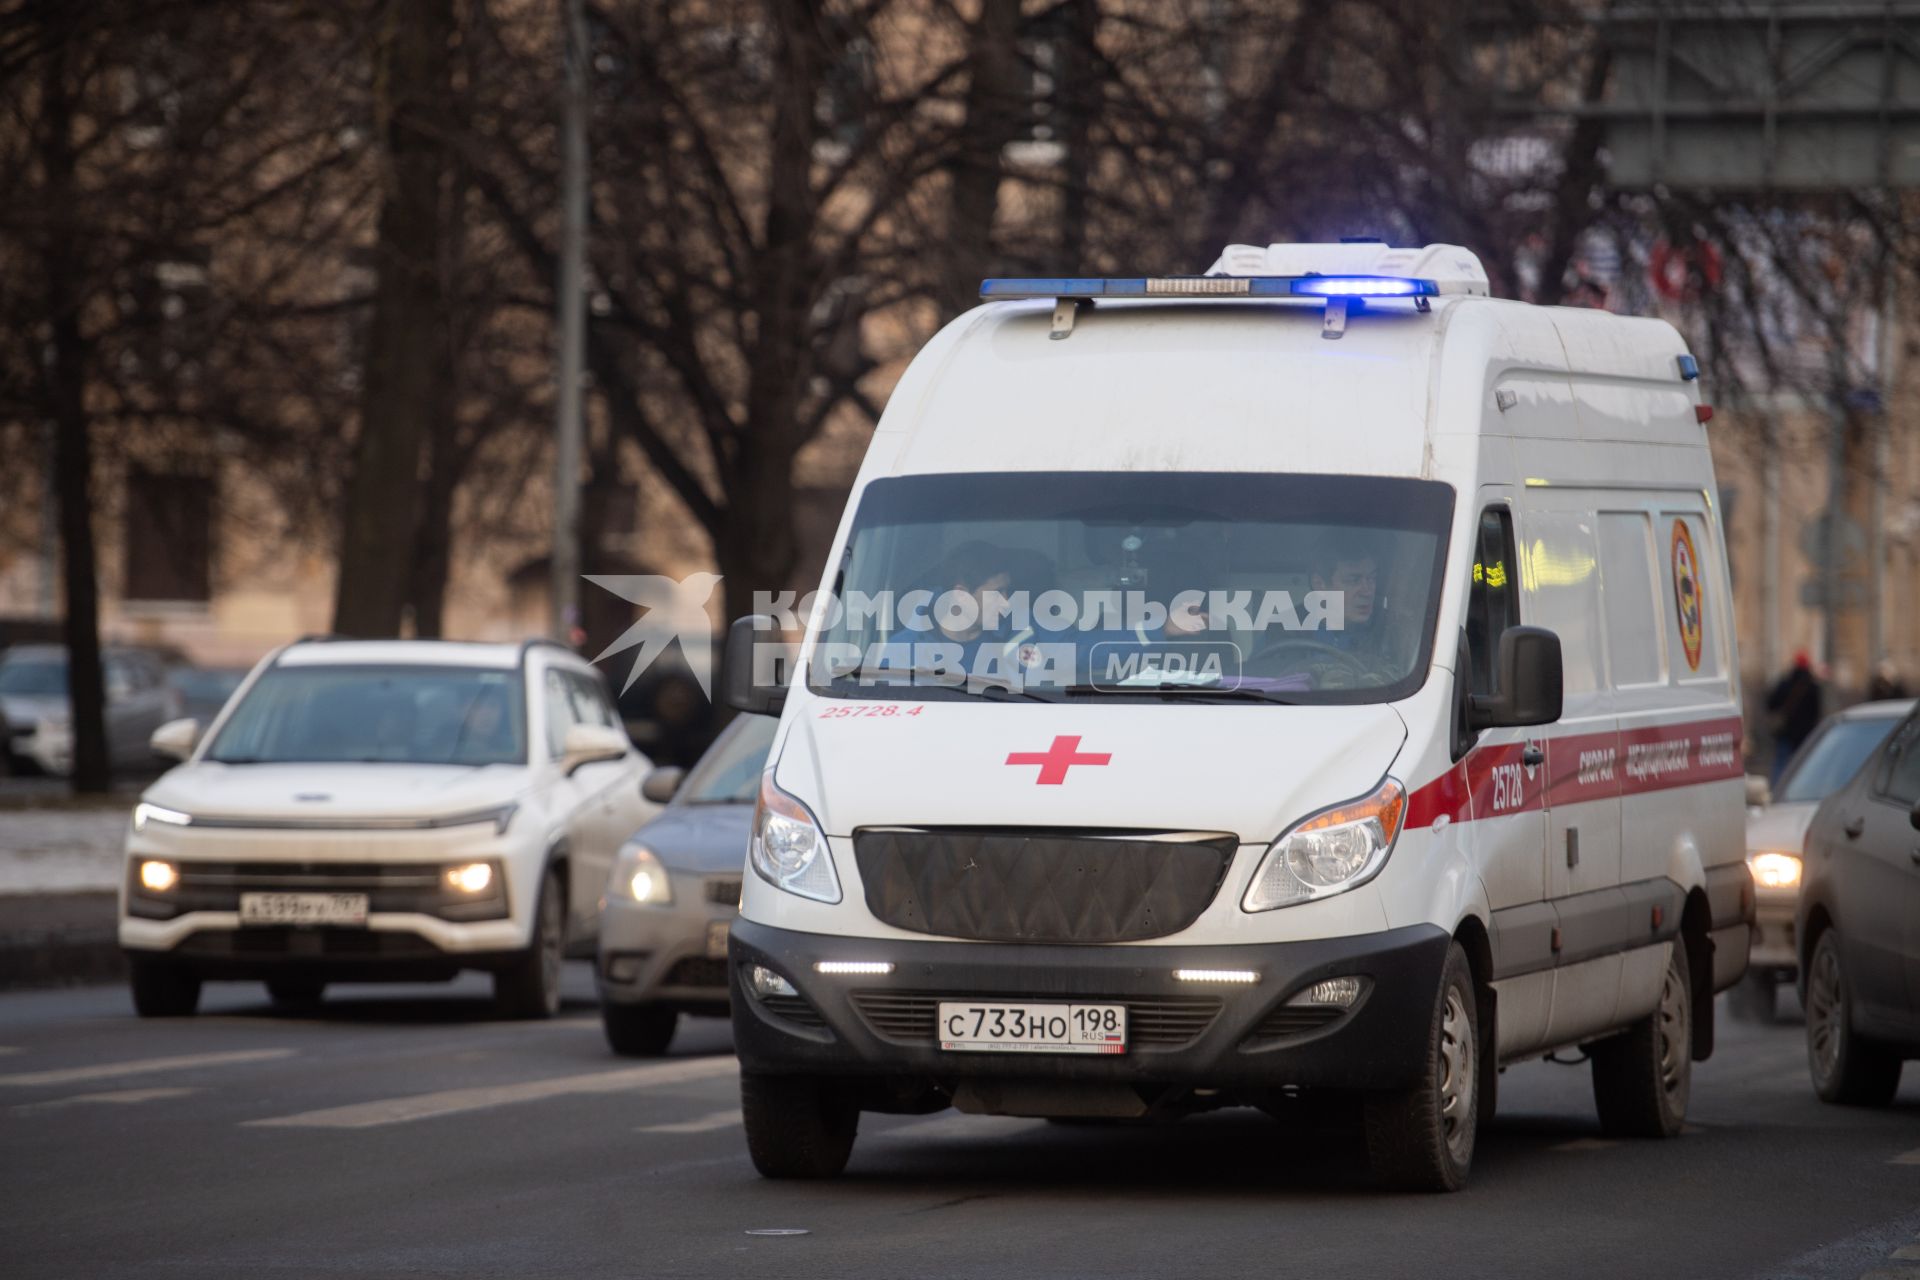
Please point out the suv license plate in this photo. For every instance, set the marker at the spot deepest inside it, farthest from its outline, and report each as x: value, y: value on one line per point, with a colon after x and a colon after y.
x: 303, y: 908
x: 997, y: 1027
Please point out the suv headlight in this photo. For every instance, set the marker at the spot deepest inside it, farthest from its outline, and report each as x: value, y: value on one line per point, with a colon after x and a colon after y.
x: 788, y: 850
x: 638, y: 876
x: 1330, y: 852
x: 145, y: 814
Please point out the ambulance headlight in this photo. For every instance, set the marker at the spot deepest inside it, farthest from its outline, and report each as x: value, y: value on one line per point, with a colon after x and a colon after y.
x: 787, y: 848
x: 1330, y: 852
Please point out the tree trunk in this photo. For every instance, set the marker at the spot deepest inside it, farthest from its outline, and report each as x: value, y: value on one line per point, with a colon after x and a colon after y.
x: 406, y: 377
x: 65, y: 382
x: 994, y: 104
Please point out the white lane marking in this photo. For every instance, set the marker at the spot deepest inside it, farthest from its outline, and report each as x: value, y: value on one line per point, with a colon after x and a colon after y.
x: 962, y: 1126
x: 705, y: 1124
x: 6, y: 1049
x: 426, y: 1106
x: 1585, y: 1144
x: 1906, y: 1253
x: 119, y: 1097
x: 142, y: 1066
x: 1907, y: 1157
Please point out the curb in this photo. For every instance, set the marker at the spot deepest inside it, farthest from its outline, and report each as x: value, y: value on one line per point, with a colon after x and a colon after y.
x: 59, y: 939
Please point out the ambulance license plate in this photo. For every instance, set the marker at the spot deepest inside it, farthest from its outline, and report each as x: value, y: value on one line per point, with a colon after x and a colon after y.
x: 983, y: 1026
x: 303, y: 908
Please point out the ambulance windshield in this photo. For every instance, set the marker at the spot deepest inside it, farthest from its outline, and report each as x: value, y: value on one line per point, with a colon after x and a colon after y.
x: 1138, y: 585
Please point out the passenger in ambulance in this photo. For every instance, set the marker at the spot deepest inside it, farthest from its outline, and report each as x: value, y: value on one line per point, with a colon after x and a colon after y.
x: 968, y: 580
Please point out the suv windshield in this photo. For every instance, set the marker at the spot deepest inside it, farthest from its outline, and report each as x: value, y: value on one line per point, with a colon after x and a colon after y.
x: 397, y: 715
x: 1130, y: 585
x: 1829, y: 762
x: 730, y: 772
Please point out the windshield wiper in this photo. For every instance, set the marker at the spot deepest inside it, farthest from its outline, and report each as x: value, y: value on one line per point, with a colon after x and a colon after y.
x: 974, y: 685
x: 1232, y: 693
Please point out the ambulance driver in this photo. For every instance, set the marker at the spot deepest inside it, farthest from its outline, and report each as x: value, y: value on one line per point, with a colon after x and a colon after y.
x: 1346, y: 650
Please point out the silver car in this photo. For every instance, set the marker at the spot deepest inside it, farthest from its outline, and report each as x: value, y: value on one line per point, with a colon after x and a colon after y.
x: 674, y: 892
x: 36, y: 718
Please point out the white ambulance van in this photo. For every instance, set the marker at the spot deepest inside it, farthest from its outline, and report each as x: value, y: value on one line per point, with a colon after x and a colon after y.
x: 1315, y: 678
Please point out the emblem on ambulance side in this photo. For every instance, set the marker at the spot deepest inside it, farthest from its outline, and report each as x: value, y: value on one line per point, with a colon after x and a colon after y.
x: 1686, y: 593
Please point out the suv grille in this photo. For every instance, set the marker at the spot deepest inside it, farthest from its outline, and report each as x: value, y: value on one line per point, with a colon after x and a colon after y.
x: 1159, y: 1022
x: 725, y: 893
x: 1039, y: 885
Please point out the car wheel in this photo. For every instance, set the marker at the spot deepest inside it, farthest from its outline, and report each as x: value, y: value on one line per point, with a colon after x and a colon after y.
x: 295, y: 991
x: 163, y: 990
x: 797, y: 1126
x: 1754, y: 997
x: 529, y: 987
x: 1642, y: 1078
x: 1422, y: 1139
x: 638, y: 1030
x: 1846, y: 1069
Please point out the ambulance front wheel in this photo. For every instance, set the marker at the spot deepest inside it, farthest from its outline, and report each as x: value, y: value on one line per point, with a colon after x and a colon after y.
x: 797, y: 1126
x: 1421, y: 1139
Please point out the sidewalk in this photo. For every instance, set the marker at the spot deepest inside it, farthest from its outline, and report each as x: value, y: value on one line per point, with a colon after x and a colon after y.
x: 60, y: 867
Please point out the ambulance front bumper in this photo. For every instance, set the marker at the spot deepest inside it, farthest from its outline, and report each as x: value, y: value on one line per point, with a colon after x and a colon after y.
x: 1180, y: 1032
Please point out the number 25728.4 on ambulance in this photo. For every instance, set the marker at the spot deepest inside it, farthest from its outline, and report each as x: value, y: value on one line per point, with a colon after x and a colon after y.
x: 1316, y: 675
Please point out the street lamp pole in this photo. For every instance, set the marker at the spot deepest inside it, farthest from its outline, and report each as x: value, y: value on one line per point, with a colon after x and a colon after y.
x: 571, y: 324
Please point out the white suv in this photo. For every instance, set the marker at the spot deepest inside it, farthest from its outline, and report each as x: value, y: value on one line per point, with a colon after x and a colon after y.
x: 382, y: 810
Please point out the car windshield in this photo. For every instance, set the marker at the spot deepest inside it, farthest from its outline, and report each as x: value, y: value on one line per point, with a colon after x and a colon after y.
x: 1829, y: 762
x: 393, y: 715
x: 1138, y: 585
x: 34, y: 676
x: 730, y: 771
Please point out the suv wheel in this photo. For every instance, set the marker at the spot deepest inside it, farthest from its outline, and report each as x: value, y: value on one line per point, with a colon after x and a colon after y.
x: 638, y: 1030
x: 1846, y: 1069
x: 529, y: 987
x: 1422, y: 1139
x: 1642, y: 1078
x: 797, y: 1126
x: 162, y: 989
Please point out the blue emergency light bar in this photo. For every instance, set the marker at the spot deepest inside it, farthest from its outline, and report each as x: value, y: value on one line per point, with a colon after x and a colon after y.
x: 1310, y: 286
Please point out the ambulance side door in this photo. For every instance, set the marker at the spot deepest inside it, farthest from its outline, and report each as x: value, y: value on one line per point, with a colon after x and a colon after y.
x: 1579, y: 771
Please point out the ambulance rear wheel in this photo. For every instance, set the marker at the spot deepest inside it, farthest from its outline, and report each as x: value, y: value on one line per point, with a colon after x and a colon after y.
x: 797, y: 1126
x: 1421, y: 1139
x: 1641, y: 1079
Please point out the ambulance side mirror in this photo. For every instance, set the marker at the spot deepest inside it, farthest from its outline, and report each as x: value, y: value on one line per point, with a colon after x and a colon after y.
x: 751, y: 667
x: 1531, y: 678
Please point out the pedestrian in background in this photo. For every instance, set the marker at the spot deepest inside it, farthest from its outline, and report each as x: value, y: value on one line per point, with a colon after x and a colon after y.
x: 1793, y: 708
x: 1886, y: 683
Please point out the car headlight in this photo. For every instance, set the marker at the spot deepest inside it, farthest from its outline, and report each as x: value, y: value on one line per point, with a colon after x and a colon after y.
x: 1330, y: 852
x: 145, y: 814
x: 639, y: 877
x: 1775, y: 870
x: 787, y: 849
x: 471, y: 878
x: 158, y: 876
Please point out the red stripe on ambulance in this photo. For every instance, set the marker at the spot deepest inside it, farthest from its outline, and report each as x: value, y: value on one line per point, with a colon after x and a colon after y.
x: 1496, y: 781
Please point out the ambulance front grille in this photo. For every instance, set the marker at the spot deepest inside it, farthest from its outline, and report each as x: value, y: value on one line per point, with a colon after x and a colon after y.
x: 1040, y: 885
x: 1159, y: 1022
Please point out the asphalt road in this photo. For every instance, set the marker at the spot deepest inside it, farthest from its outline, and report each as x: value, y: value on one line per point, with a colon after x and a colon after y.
x: 400, y: 1131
